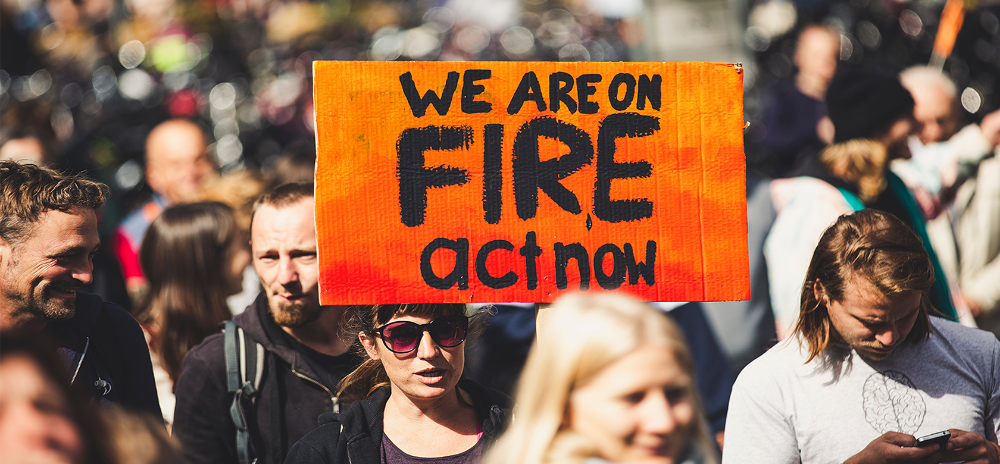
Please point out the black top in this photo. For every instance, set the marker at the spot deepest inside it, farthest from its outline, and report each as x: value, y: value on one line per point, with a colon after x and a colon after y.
x: 790, y: 119
x: 291, y: 396
x: 106, y: 353
x: 328, y: 369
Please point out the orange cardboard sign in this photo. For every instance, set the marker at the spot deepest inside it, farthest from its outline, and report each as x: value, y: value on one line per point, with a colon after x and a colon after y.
x: 952, y: 17
x: 517, y: 182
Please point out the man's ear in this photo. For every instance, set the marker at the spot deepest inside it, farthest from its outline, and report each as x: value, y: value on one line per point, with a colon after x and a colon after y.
x: 369, y: 344
x: 820, y: 293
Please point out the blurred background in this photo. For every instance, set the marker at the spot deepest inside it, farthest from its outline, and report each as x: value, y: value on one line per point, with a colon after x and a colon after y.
x: 92, y: 77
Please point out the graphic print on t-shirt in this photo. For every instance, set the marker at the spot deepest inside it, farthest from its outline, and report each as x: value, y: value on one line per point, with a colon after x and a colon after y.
x: 892, y: 403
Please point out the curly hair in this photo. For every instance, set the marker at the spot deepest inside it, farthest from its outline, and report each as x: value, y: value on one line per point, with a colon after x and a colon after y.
x: 27, y: 191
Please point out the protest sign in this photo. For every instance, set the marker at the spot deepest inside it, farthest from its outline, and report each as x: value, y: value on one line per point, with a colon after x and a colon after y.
x: 517, y: 182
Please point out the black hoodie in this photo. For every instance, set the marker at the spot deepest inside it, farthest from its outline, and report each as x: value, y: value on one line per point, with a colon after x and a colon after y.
x: 106, y: 353
x: 290, y: 398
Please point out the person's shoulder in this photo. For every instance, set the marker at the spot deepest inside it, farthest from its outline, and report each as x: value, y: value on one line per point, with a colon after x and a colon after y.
x: 329, y: 427
x: 802, y: 185
x: 493, y: 407
x: 104, y: 315
x: 782, y: 359
x: 320, y: 445
x: 113, y: 310
x: 203, y: 371
x: 211, y: 350
x: 958, y: 334
x: 360, y: 416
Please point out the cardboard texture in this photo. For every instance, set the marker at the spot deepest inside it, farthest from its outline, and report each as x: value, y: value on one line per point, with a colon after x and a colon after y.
x: 507, y: 182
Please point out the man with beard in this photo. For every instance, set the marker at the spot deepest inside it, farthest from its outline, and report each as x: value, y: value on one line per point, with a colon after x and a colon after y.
x: 303, y: 359
x: 868, y: 366
x: 48, y: 239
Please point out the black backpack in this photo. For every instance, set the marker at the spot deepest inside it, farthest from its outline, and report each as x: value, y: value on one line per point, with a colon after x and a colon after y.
x: 244, y: 369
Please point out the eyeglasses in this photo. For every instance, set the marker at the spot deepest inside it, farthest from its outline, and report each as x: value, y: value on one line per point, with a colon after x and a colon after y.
x: 404, y: 336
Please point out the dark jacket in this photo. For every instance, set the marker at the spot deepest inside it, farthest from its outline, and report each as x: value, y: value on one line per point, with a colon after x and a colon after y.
x: 362, y: 428
x: 107, y: 354
x: 290, y: 398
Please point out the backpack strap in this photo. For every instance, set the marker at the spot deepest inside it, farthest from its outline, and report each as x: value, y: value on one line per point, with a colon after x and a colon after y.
x: 238, y: 358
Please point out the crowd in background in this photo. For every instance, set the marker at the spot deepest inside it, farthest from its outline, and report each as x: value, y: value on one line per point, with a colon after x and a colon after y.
x: 190, y: 110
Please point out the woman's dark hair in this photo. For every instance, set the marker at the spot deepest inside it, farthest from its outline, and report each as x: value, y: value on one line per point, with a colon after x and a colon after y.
x: 370, y: 375
x: 874, y: 247
x: 84, y: 415
x: 186, y: 257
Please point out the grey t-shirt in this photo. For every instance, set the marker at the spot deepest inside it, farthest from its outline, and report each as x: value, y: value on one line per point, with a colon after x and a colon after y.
x: 785, y: 411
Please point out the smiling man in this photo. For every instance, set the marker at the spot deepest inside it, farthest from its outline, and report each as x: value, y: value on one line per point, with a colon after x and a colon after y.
x: 304, y: 357
x: 868, y: 367
x: 48, y: 238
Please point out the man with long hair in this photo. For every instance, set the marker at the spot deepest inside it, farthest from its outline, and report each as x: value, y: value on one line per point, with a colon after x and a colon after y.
x: 869, y: 365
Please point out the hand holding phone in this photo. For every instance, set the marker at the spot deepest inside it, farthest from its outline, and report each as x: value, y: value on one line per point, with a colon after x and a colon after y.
x: 941, y: 438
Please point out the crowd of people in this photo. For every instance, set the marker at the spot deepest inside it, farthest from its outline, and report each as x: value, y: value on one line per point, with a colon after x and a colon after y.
x: 608, y: 379
x: 156, y: 169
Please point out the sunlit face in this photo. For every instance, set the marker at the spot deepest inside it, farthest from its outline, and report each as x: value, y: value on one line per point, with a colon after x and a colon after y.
x: 427, y: 373
x: 39, y: 277
x: 870, y: 322
x: 283, y: 246
x: 817, y: 53
x: 935, y: 113
x: 176, y: 160
x: 639, y: 409
x: 26, y: 150
x: 35, y: 424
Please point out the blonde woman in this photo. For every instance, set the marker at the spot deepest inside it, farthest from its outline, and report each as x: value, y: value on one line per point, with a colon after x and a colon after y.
x: 609, y: 379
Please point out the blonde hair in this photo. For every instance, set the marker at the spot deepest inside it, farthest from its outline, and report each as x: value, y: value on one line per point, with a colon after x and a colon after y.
x: 859, y: 162
x: 577, y: 337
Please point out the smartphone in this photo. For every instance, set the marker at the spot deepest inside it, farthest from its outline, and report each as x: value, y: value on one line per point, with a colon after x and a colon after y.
x: 941, y: 438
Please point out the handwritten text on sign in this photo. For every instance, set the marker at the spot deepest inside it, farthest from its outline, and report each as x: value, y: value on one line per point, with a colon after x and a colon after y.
x: 489, y: 182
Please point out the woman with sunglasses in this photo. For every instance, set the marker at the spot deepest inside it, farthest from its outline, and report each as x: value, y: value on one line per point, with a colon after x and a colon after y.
x: 416, y: 406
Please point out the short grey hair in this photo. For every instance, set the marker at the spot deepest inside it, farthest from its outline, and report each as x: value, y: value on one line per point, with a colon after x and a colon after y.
x: 923, y: 76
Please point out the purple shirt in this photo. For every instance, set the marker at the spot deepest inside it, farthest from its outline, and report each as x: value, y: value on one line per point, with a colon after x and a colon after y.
x: 393, y: 455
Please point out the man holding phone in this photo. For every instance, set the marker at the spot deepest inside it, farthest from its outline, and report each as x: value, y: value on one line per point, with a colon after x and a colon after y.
x: 868, y: 368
